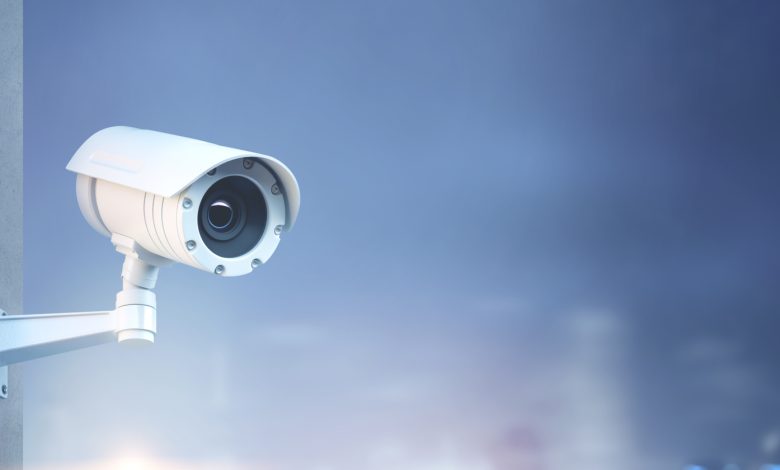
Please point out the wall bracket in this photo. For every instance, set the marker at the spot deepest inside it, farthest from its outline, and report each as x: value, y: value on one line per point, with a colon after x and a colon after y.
x: 26, y: 337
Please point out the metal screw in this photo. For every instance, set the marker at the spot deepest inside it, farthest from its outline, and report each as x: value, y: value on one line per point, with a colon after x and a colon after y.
x: 219, y: 269
x: 187, y: 203
x: 211, y: 172
x: 5, y: 390
x: 248, y: 162
x: 278, y: 229
x: 275, y: 189
x: 255, y: 263
x: 191, y: 245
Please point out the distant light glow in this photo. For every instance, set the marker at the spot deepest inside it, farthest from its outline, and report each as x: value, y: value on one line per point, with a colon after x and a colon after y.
x: 134, y: 463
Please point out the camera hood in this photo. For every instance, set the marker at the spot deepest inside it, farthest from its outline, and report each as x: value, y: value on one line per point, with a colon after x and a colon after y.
x: 165, y: 164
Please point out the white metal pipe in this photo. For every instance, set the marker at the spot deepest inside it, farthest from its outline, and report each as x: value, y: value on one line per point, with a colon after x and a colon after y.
x: 25, y: 337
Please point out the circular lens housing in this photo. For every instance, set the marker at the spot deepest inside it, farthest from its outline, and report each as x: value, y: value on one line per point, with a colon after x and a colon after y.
x: 232, y: 216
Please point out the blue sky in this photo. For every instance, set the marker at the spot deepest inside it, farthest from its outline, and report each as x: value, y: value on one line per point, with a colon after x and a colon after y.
x: 531, y: 233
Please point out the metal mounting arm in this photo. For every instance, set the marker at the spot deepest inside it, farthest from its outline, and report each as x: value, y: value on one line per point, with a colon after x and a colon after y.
x: 26, y: 337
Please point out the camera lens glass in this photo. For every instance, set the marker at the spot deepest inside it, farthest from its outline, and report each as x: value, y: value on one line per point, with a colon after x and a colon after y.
x: 220, y: 215
x: 232, y: 216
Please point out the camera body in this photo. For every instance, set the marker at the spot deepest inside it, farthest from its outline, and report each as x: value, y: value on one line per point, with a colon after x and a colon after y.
x: 161, y: 198
x: 215, y: 208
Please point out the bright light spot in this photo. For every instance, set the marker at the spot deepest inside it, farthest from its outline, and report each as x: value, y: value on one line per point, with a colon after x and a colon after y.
x: 133, y: 463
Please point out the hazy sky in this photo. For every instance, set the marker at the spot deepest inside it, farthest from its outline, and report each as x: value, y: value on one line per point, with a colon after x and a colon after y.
x: 533, y: 234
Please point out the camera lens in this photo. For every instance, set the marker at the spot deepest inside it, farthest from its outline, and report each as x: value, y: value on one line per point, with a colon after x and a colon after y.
x: 232, y: 216
x: 220, y: 214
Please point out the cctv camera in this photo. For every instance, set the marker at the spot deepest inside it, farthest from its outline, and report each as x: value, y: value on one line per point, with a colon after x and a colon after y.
x: 162, y: 199
x: 176, y: 199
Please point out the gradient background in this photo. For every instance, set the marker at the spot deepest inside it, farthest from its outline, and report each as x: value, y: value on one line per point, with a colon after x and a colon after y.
x: 533, y: 235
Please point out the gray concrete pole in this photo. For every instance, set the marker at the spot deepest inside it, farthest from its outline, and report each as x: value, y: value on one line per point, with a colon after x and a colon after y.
x: 11, y: 215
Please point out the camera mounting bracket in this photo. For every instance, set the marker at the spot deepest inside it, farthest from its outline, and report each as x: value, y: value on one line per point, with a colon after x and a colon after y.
x: 133, y: 320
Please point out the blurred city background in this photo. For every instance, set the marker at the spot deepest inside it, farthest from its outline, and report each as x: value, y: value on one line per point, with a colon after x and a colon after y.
x: 534, y: 235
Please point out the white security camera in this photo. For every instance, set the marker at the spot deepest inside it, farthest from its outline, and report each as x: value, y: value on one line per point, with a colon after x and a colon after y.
x: 215, y: 208
x: 161, y: 198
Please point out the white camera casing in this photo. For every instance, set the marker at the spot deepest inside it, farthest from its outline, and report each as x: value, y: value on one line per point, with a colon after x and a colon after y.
x: 148, y: 186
